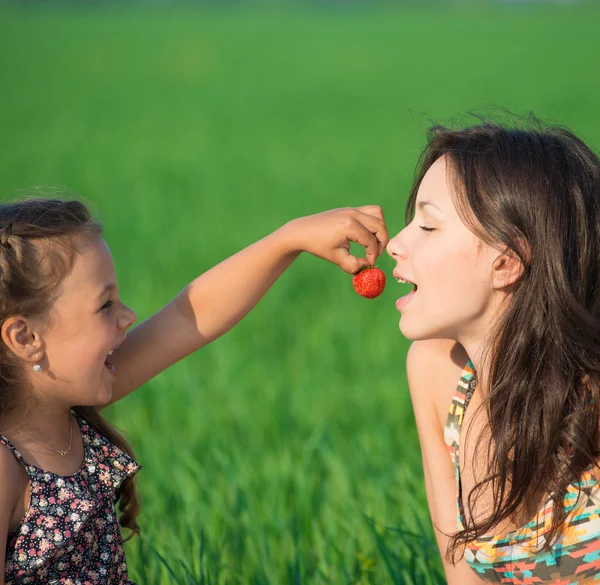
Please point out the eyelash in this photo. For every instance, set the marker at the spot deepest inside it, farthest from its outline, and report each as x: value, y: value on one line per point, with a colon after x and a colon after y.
x: 107, y: 305
x: 426, y: 229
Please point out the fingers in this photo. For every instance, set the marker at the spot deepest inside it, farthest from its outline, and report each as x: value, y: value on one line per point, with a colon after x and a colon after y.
x: 374, y: 210
x: 357, y: 232
x: 330, y: 233
x: 349, y: 263
x: 371, y: 217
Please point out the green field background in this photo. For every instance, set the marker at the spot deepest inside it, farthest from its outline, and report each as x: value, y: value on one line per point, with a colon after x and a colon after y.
x: 286, y: 451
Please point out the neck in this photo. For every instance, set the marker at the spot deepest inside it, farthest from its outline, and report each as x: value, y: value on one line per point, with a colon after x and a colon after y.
x: 477, y: 348
x: 476, y: 341
x: 476, y: 353
x: 48, y: 421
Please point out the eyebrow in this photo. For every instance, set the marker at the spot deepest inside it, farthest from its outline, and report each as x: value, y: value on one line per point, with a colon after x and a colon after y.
x: 107, y: 288
x: 423, y: 204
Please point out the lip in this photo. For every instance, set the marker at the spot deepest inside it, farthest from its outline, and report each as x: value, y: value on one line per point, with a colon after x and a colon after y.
x: 119, y: 344
x: 110, y: 367
x: 403, y: 301
x: 397, y: 275
x: 112, y: 370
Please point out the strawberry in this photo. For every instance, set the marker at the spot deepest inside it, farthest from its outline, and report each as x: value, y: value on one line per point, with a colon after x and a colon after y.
x: 369, y: 282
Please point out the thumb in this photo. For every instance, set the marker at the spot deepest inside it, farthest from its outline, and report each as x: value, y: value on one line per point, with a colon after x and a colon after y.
x: 349, y: 263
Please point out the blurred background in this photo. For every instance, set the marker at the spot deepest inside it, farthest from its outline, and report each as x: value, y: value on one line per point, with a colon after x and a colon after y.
x: 286, y: 451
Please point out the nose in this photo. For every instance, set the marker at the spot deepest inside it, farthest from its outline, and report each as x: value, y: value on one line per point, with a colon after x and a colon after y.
x: 396, y: 246
x: 127, y: 317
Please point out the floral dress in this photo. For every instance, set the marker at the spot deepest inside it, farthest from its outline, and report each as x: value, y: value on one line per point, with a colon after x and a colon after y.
x: 70, y: 534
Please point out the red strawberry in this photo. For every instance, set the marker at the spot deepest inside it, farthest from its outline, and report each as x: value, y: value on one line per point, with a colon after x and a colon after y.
x: 369, y: 282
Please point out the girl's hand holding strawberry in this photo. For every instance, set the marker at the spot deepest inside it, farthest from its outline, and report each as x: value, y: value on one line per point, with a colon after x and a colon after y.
x: 328, y: 235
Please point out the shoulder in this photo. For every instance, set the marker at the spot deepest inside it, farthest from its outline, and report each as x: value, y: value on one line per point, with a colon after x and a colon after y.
x: 434, y: 367
x: 14, y: 481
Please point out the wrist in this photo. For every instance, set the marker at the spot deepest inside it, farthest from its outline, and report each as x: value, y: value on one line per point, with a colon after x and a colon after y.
x: 288, y: 238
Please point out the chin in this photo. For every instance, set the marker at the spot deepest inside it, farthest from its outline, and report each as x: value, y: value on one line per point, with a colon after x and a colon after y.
x: 104, y: 397
x: 410, y: 331
x: 419, y: 332
x: 97, y: 402
x: 101, y: 397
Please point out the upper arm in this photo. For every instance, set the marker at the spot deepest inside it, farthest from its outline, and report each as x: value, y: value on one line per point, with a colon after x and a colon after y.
x: 434, y: 368
x: 154, y: 345
x: 10, y: 472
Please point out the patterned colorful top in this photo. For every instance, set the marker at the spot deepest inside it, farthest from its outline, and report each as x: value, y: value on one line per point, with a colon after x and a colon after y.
x: 70, y: 534
x: 511, y: 557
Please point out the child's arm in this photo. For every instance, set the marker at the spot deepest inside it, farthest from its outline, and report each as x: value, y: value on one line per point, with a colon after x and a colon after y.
x: 218, y: 299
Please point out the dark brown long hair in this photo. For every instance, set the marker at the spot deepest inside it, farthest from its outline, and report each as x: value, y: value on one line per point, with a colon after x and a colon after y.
x: 39, y: 240
x: 534, y: 192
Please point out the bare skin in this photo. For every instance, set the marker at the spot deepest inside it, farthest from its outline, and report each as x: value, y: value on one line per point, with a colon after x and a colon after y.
x: 88, y: 320
x: 434, y: 368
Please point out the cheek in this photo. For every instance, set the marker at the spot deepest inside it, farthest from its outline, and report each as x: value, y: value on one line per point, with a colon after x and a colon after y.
x: 77, y: 350
x: 441, y: 263
x: 452, y: 274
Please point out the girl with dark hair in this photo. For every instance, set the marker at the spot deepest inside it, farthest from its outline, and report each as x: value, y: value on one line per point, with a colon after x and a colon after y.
x: 502, y: 249
x: 65, y: 353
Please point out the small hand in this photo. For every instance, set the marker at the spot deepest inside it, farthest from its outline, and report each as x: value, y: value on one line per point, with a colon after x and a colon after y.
x: 328, y: 235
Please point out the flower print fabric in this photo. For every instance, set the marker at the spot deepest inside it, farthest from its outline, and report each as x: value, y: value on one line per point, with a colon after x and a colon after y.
x: 70, y: 534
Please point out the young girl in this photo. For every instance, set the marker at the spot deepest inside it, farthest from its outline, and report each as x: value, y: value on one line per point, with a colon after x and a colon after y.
x: 65, y: 353
x: 503, y: 249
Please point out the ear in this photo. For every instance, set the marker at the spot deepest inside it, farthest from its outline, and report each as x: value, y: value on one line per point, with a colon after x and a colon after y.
x: 23, y: 340
x: 507, y: 270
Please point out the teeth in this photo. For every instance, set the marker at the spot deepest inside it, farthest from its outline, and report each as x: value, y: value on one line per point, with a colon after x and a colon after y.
x: 401, y: 281
x: 111, y: 352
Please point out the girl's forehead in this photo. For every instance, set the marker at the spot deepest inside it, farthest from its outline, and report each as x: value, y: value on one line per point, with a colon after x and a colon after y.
x: 435, y: 181
x: 93, y: 268
x: 435, y: 190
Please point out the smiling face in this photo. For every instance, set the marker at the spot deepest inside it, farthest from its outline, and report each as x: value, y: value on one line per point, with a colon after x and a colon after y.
x: 86, y: 322
x: 451, y: 267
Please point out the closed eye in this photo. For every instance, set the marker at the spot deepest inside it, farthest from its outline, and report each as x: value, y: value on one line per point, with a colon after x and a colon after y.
x: 426, y: 229
x: 106, y: 306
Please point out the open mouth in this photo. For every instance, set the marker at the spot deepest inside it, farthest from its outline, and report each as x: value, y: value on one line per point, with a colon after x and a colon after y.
x: 401, y: 280
x: 403, y: 300
x: 112, y: 369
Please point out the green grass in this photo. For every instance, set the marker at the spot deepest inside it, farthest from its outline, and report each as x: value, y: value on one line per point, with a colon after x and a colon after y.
x: 285, y: 452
